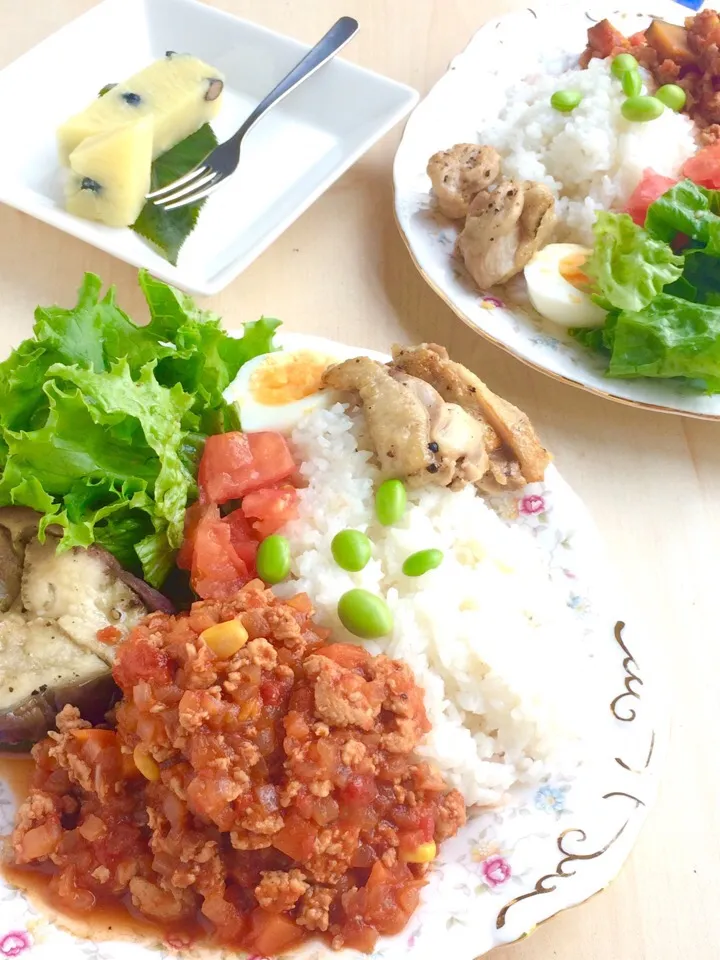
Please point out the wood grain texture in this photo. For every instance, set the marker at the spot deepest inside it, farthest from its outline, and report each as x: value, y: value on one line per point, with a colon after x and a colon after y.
x: 652, y: 481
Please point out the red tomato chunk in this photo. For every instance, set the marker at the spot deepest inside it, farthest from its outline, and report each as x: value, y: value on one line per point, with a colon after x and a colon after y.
x: 234, y: 464
x: 704, y: 167
x: 651, y: 188
x: 273, y: 795
x: 271, y: 508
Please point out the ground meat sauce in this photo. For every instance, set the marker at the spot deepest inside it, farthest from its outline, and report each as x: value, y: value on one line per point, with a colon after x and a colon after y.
x: 688, y: 56
x: 274, y: 795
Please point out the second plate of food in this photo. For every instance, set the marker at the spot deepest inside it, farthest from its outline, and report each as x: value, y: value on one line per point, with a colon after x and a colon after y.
x: 558, y: 189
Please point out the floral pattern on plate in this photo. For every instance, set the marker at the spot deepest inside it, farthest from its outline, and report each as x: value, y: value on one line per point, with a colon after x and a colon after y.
x: 451, y: 113
x: 509, y: 869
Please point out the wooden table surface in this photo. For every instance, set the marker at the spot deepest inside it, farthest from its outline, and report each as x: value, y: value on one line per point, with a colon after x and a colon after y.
x: 652, y: 481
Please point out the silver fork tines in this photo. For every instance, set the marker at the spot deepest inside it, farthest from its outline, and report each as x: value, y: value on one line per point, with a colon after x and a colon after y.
x: 223, y: 161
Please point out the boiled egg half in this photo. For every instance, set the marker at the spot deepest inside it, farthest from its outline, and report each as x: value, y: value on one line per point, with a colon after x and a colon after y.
x: 276, y: 390
x: 558, y: 288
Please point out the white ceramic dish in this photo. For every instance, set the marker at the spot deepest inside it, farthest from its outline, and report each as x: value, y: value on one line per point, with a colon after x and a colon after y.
x: 288, y: 161
x: 551, y: 848
x: 498, y: 56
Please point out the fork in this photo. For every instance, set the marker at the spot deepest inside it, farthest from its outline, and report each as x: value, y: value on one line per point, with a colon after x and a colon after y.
x: 223, y: 161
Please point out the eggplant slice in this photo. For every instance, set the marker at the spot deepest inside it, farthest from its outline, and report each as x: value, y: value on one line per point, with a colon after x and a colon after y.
x: 52, y: 606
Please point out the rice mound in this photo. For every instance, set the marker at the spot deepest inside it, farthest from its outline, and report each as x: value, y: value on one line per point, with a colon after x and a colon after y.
x: 487, y: 635
x: 593, y: 158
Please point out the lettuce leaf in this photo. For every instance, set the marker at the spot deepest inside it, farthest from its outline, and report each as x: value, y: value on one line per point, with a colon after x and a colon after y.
x: 668, y: 338
x: 629, y: 267
x: 689, y: 209
x: 102, y: 421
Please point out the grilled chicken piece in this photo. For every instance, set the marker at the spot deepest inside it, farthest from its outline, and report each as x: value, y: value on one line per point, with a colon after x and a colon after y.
x: 461, y: 172
x: 505, y: 227
x: 516, y: 455
x: 416, y: 435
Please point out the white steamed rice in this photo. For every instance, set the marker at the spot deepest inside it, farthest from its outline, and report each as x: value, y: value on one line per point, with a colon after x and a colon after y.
x: 591, y: 159
x: 486, y: 634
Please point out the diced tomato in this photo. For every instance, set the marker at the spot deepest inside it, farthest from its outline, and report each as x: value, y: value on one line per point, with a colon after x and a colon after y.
x: 109, y: 635
x: 192, y: 519
x: 638, y: 39
x: 651, y: 187
x: 296, y: 839
x: 243, y: 539
x: 270, y: 508
x: 217, y: 570
x: 234, y: 464
x: 345, y: 655
x: 704, y: 167
x: 360, y: 790
x: 273, y: 933
x: 140, y: 661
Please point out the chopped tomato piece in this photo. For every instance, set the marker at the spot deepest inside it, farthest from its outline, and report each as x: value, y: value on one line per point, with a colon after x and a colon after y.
x: 109, y: 635
x: 234, y: 464
x: 243, y: 539
x: 192, y: 519
x: 273, y: 933
x: 270, y: 508
x: 141, y: 661
x: 217, y: 570
x: 346, y: 655
x: 651, y: 187
x: 704, y: 167
x: 296, y: 839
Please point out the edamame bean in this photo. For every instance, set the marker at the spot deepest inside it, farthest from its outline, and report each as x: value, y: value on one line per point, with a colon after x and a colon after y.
x: 642, y: 109
x: 273, y: 559
x: 351, y: 550
x: 390, y: 502
x: 622, y: 64
x: 565, y: 101
x: 631, y: 83
x: 365, y: 615
x: 672, y: 96
x: 419, y: 563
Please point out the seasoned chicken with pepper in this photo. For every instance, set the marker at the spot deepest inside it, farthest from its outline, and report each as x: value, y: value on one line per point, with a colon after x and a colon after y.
x: 506, y: 221
x: 461, y: 172
x: 516, y: 455
x: 416, y: 435
x: 504, y: 229
x: 432, y: 421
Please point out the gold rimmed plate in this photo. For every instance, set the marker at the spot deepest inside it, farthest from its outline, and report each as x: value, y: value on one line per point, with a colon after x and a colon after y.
x: 555, y: 843
x: 499, y: 55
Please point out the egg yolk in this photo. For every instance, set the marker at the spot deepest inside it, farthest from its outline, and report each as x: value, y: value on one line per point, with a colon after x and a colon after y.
x: 288, y: 377
x: 570, y: 269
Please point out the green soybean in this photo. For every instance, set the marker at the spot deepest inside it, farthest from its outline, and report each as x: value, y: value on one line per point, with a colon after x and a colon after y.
x: 672, y: 96
x: 273, y: 559
x: 642, y: 109
x: 390, y: 502
x: 631, y: 83
x: 351, y: 550
x: 565, y: 101
x: 419, y: 563
x: 365, y: 615
x: 622, y: 64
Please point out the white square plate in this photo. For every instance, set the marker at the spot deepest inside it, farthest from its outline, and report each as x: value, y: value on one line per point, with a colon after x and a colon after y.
x: 289, y: 159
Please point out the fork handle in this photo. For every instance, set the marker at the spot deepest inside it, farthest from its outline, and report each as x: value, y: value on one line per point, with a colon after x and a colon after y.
x: 334, y: 40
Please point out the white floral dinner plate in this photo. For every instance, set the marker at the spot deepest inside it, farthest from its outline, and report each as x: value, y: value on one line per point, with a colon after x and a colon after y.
x: 499, y: 55
x: 552, y: 847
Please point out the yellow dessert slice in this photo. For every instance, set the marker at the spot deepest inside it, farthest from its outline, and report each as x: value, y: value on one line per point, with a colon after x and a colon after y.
x: 179, y: 92
x: 110, y: 174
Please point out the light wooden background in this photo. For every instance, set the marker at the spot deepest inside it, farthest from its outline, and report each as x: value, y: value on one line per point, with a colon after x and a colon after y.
x: 652, y: 481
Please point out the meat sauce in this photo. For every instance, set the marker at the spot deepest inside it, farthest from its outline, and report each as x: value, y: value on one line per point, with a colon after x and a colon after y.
x: 254, y: 800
